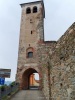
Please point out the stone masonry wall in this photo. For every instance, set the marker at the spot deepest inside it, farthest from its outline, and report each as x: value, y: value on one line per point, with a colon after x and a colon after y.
x: 63, y: 67
x: 43, y: 50
x: 57, y: 61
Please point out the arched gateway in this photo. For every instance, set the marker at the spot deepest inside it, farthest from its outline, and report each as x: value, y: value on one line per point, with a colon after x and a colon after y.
x: 31, y: 34
x: 26, y: 78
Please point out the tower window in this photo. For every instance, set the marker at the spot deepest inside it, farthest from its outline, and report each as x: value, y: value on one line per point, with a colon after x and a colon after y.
x: 28, y: 10
x: 31, y: 32
x: 34, y: 9
x: 31, y: 21
x: 30, y: 54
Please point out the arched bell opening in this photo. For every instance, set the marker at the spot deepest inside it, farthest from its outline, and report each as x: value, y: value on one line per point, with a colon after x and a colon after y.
x: 30, y: 79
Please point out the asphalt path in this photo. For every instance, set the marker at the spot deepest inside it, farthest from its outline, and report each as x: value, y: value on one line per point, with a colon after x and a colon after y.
x: 29, y: 95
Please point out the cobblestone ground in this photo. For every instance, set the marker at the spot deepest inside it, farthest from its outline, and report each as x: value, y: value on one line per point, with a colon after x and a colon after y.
x: 29, y: 95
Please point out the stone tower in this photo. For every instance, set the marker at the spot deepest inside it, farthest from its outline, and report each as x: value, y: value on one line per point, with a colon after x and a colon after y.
x: 31, y: 33
x: 54, y: 61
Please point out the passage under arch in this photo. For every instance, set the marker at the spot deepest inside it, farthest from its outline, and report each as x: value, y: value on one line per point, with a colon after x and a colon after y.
x: 28, y: 80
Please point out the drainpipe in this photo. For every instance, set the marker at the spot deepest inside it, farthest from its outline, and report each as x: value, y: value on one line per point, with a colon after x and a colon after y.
x: 49, y: 80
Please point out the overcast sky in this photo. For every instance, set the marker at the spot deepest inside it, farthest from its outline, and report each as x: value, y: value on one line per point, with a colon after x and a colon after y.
x: 60, y: 14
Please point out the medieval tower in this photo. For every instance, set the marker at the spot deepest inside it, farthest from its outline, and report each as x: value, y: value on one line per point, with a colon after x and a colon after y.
x: 31, y: 33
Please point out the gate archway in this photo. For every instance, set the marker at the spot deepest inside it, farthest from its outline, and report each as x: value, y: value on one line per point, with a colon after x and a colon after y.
x: 26, y: 78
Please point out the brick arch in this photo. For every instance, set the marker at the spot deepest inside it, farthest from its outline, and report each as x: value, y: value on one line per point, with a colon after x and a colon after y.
x: 30, y: 48
x: 26, y: 75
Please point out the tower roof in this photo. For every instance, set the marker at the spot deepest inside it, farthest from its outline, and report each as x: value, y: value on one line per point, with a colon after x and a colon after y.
x: 35, y: 2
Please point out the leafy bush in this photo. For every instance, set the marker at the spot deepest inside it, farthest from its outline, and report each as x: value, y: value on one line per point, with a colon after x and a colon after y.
x: 3, y: 87
x: 12, y: 84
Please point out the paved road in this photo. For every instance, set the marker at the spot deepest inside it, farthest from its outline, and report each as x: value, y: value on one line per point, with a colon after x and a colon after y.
x: 29, y: 95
